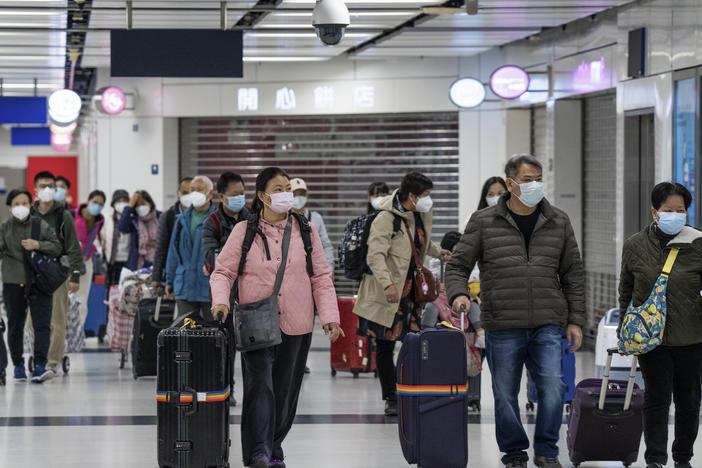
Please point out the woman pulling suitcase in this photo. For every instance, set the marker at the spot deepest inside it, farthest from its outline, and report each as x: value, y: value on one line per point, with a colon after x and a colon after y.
x: 670, y: 371
x: 274, y: 350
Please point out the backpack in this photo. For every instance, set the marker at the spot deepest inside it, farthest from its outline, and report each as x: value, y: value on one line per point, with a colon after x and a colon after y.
x: 354, y: 247
x: 252, y: 230
x: 43, y: 271
x: 217, y: 223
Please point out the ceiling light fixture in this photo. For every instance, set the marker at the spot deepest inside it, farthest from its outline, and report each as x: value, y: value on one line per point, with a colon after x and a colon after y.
x: 286, y: 59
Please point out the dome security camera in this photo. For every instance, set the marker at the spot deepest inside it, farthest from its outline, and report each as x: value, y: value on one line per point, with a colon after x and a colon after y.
x: 330, y: 19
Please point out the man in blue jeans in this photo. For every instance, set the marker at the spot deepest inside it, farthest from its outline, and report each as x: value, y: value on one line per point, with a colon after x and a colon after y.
x: 532, y: 288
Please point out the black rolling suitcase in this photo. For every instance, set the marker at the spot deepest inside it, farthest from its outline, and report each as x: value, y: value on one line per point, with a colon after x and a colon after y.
x: 194, y: 374
x: 431, y: 388
x: 153, y: 315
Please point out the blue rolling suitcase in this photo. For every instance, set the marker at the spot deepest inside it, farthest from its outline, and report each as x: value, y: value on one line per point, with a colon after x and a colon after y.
x: 431, y: 388
x: 568, y: 377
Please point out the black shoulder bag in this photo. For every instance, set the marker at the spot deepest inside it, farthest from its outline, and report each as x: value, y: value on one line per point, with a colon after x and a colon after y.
x: 257, y: 324
x: 44, y: 272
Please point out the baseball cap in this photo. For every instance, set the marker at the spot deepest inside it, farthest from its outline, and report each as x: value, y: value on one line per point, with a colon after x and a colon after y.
x: 298, y: 184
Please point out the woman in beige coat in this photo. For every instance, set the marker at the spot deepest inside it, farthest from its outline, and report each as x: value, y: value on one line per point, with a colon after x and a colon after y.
x: 386, y: 304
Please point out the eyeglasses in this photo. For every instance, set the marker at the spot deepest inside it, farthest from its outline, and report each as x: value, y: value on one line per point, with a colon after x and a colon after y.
x: 43, y: 186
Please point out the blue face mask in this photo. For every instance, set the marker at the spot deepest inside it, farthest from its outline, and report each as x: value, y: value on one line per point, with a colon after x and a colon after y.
x: 94, y: 208
x: 60, y: 194
x: 672, y: 223
x: 236, y: 204
x: 532, y: 193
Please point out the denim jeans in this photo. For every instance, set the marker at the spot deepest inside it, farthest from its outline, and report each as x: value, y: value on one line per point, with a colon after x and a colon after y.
x: 507, y: 353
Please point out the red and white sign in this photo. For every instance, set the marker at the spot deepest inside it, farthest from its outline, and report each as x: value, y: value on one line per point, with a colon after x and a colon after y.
x: 61, y: 143
x: 113, y: 101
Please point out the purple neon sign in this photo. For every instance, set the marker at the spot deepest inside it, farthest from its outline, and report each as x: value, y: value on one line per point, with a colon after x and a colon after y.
x: 509, y: 82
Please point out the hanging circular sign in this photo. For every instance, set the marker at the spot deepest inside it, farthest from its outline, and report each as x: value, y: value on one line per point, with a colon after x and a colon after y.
x: 467, y: 93
x: 64, y: 106
x: 509, y: 82
x: 61, y: 143
x: 112, y: 100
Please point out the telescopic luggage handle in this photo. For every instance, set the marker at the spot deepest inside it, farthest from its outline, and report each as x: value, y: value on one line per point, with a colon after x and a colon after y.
x: 605, y: 380
x: 157, y: 314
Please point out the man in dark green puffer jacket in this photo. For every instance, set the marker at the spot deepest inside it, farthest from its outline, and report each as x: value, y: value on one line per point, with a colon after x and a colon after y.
x: 532, y: 288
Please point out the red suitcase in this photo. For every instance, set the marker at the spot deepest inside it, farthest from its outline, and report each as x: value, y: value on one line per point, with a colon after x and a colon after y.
x: 355, y: 354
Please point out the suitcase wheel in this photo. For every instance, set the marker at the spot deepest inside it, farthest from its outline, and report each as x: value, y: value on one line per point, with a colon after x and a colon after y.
x: 375, y: 374
x: 122, y: 359
x: 356, y: 373
x: 333, y: 372
x: 66, y: 364
x: 530, y: 406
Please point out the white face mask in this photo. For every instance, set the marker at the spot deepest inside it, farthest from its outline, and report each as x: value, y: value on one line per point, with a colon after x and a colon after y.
x: 186, y: 200
x: 198, y: 199
x: 46, y: 194
x: 424, y: 205
x: 375, y: 202
x: 119, y: 207
x: 299, y: 202
x: 492, y: 201
x: 143, y: 210
x: 20, y: 212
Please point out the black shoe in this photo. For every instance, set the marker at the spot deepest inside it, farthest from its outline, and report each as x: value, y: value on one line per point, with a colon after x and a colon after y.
x: 390, y: 407
x: 516, y: 464
x: 259, y: 461
x: 307, y: 370
x: 275, y: 463
x: 547, y: 462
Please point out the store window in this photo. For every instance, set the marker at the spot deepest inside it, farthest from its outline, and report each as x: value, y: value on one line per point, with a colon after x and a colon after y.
x: 685, y: 145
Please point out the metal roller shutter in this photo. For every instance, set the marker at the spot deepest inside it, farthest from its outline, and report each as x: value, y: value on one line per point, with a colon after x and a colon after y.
x: 599, y: 227
x: 338, y: 157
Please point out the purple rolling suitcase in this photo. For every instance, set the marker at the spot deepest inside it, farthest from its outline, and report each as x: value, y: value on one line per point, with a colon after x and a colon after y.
x: 606, y: 421
x: 431, y: 388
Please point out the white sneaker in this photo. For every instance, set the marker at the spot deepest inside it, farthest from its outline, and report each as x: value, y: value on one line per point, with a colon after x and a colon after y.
x: 49, y: 374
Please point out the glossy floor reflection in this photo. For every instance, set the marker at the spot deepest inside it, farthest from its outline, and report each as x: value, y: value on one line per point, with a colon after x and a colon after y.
x: 98, y: 416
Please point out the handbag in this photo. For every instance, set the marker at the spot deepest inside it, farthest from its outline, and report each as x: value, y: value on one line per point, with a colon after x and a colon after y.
x: 426, y: 288
x: 257, y: 324
x: 643, y: 327
x: 46, y: 273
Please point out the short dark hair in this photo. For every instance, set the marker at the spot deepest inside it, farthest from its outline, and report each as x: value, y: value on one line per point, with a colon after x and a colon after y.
x: 376, y: 188
x: 415, y: 183
x: 262, y: 182
x: 147, y: 198
x: 450, y: 240
x: 515, y: 163
x: 662, y: 191
x: 97, y: 193
x: 64, y: 180
x: 227, y: 178
x: 486, y: 188
x: 44, y: 175
x: 15, y: 193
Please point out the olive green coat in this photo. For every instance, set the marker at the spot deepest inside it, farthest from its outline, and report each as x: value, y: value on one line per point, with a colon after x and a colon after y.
x: 389, y: 259
x: 642, y: 262
x: 12, y: 233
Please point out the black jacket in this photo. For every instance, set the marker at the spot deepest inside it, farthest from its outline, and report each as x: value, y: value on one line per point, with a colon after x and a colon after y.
x: 166, y: 223
x: 215, y: 236
x: 520, y: 289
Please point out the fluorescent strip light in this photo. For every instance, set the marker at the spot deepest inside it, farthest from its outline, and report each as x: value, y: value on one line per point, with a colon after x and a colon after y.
x: 365, y: 2
x: 29, y: 13
x: 307, y: 14
x: 298, y: 35
x: 286, y: 59
x: 309, y: 26
x: 29, y: 86
x: 24, y: 25
x: 30, y: 57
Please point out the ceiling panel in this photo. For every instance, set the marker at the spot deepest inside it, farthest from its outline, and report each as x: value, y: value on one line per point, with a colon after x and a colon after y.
x: 27, y: 55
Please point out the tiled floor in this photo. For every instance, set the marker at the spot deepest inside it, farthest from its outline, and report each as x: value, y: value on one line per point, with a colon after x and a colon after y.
x: 100, y: 417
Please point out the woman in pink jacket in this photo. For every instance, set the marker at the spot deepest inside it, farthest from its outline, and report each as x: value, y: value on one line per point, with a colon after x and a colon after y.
x: 273, y: 376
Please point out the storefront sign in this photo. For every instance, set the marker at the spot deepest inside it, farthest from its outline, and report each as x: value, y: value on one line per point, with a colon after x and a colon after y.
x: 509, y: 82
x: 467, y: 93
x: 591, y: 76
x: 113, y: 101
